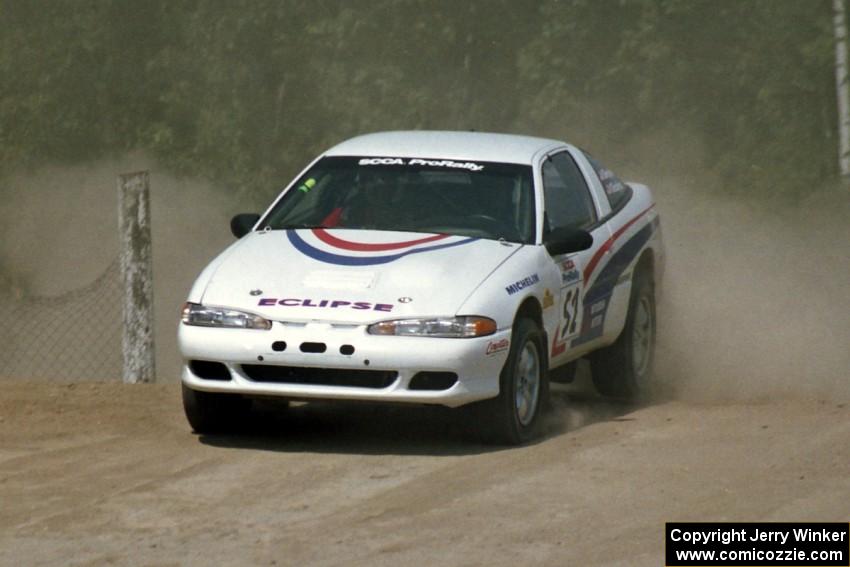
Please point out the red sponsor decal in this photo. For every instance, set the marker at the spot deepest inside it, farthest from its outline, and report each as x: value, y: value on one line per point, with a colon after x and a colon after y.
x: 498, y: 346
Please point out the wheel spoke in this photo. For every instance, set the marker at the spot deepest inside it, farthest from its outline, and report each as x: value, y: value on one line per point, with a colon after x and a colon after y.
x: 527, y: 383
x: 522, y: 404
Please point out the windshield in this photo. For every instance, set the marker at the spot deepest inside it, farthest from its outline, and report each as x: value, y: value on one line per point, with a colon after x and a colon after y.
x: 480, y: 199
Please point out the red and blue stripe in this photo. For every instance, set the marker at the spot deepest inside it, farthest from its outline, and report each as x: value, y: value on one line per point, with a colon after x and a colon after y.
x: 341, y: 249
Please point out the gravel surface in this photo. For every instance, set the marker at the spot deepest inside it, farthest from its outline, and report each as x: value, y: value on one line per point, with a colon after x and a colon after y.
x: 102, y: 473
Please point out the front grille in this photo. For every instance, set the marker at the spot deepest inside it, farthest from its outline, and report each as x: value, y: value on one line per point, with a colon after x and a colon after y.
x: 320, y: 376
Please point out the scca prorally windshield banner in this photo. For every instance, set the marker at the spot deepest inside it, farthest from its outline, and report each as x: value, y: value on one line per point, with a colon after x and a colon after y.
x: 419, y: 162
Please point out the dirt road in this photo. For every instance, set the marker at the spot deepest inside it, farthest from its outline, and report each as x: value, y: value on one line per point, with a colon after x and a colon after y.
x: 100, y: 474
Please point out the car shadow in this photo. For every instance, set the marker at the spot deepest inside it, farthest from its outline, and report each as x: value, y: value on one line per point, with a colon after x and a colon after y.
x: 380, y: 429
x: 355, y: 428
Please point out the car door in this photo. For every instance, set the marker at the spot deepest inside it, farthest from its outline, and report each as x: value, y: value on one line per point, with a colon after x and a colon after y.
x: 632, y: 223
x: 569, y: 202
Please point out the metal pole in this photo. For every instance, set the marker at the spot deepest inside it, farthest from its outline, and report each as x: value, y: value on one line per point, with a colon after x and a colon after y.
x: 840, y: 27
x: 137, y: 274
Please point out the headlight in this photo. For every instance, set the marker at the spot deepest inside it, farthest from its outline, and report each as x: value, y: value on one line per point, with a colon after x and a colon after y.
x: 446, y: 327
x: 205, y: 316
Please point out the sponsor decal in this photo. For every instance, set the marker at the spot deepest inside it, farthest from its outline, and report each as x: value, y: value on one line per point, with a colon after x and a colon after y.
x: 570, y: 277
x: 468, y: 165
x: 610, y: 182
x: 498, y: 346
x: 326, y: 303
x: 381, y: 161
x: 256, y: 292
x: 522, y: 284
x: 323, y: 246
x: 569, y: 273
x: 548, y: 299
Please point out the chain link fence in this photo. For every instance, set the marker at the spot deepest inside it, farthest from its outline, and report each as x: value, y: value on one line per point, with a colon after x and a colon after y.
x: 70, y: 337
x: 102, y: 331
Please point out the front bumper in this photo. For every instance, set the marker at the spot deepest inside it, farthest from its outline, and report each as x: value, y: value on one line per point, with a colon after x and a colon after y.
x: 251, y: 360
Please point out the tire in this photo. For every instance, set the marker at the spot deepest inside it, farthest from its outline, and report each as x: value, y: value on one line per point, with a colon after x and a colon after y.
x: 209, y: 412
x: 624, y: 369
x: 514, y: 417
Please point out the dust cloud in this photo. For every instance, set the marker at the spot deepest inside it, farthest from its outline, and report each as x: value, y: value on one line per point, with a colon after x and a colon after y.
x: 755, y: 304
x: 756, y: 298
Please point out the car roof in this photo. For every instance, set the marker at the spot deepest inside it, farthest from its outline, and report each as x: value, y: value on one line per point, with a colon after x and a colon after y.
x: 476, y: 146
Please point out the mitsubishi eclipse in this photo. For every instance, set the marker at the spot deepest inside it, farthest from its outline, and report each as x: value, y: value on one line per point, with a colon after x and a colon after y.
x: 455, y: 268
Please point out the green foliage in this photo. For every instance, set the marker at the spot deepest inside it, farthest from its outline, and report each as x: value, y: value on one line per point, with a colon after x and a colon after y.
x: 244, y: 92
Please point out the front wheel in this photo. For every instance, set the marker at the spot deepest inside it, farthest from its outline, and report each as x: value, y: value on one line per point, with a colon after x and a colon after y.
x: 623, y: 369
x: 209, y: 412
x: 515, y: 415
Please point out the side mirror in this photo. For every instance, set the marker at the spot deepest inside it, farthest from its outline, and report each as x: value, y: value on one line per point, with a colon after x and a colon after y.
x: 567, y: 240
x: 240, y: 225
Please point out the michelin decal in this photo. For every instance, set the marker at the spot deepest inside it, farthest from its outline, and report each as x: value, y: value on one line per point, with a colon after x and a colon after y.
x: 522, y: 284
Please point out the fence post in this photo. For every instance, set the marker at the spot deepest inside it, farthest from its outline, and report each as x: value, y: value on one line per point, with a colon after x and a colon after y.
x: 840, y: 37
x: 137, y: 274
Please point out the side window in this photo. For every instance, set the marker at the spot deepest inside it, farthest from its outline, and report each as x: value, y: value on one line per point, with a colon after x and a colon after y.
x: 568, y: 200
x: 617, y: 191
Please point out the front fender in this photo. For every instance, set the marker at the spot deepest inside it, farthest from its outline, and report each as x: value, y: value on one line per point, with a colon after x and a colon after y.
x: 529, y: 273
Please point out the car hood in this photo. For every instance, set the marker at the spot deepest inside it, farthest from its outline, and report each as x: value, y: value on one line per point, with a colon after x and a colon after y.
x: 352, y: 276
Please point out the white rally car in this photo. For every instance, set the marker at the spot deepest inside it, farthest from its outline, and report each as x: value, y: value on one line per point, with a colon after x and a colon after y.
x: 454, y: 268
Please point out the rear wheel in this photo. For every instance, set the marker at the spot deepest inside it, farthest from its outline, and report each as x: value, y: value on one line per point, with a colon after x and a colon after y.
x: 623, y: 370
x: 209, y: 412
x: 514, y: 416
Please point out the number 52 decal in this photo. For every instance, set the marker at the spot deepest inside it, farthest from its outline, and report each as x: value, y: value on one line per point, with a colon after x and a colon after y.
x: 572, y: 315
x: 570, y: 320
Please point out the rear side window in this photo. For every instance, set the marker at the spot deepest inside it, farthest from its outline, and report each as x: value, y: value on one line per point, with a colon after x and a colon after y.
x: 616, y: 191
